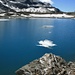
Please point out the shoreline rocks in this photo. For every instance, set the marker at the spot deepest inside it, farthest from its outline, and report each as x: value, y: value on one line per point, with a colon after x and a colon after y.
x: 49, y: 64
x: 18, y: 15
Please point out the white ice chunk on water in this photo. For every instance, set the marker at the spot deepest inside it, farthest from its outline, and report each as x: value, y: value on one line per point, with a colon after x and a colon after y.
x: 47, y: 26
x: 4, y: 19
x: 46, y: 43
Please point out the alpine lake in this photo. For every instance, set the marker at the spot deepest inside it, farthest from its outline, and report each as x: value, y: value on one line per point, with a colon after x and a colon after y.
x: 19, y: 41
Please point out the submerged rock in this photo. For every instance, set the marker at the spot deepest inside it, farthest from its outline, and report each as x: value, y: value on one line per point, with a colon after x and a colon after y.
x: 48, y: 64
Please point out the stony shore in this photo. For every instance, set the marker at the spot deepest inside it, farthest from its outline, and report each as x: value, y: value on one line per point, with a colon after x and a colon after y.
x: 22, y: 15
x: 48, y: 64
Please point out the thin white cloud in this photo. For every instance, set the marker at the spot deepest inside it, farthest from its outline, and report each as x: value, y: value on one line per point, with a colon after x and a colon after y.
x: 47, y: 1
x: 46, y: 43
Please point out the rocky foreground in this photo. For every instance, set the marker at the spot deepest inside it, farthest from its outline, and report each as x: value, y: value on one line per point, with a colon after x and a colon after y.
x: 48, y: 64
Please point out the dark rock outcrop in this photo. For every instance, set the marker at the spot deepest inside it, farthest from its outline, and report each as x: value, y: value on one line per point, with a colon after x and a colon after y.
x: 5, y: 8
x: 48, y: 64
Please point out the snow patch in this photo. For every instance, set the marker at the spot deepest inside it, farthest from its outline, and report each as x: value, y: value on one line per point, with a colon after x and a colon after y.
x: 47, y: 1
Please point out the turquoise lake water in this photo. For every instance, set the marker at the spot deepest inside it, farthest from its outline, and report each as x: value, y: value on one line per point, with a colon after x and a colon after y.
x: 19, y: 39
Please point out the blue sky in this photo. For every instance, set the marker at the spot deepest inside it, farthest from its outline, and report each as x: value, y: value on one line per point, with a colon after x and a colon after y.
x: 64, y: 5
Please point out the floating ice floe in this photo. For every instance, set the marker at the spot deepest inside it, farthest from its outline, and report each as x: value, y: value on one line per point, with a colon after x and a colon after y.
x: 4, y: 19
x: 46, y: 43
x: 47, y: 26
x: 49, y: 32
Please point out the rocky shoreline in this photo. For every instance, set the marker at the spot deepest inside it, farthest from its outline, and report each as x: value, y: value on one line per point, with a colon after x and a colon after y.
x: 48, y: 64
x: 14, y: 15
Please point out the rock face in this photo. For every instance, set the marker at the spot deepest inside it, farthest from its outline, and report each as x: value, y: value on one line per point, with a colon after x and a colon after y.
x: 48, y: 64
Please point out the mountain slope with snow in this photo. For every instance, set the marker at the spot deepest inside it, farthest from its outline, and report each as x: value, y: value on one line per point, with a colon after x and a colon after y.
x: 32, y: 6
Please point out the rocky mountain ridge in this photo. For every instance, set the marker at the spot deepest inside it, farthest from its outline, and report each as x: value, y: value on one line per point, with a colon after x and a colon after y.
x: 49, y: 64
x: 27, y: 6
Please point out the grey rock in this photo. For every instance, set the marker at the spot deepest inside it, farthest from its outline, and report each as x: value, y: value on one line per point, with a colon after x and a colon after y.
x: 49, y: 64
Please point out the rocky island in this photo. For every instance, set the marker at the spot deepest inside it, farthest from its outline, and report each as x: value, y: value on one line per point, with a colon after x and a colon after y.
x: 30, y: 8
x: 49, y: 64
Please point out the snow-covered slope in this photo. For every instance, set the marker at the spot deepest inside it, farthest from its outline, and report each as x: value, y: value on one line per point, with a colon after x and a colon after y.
x: 33, y: 6
x: 4, y: 7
